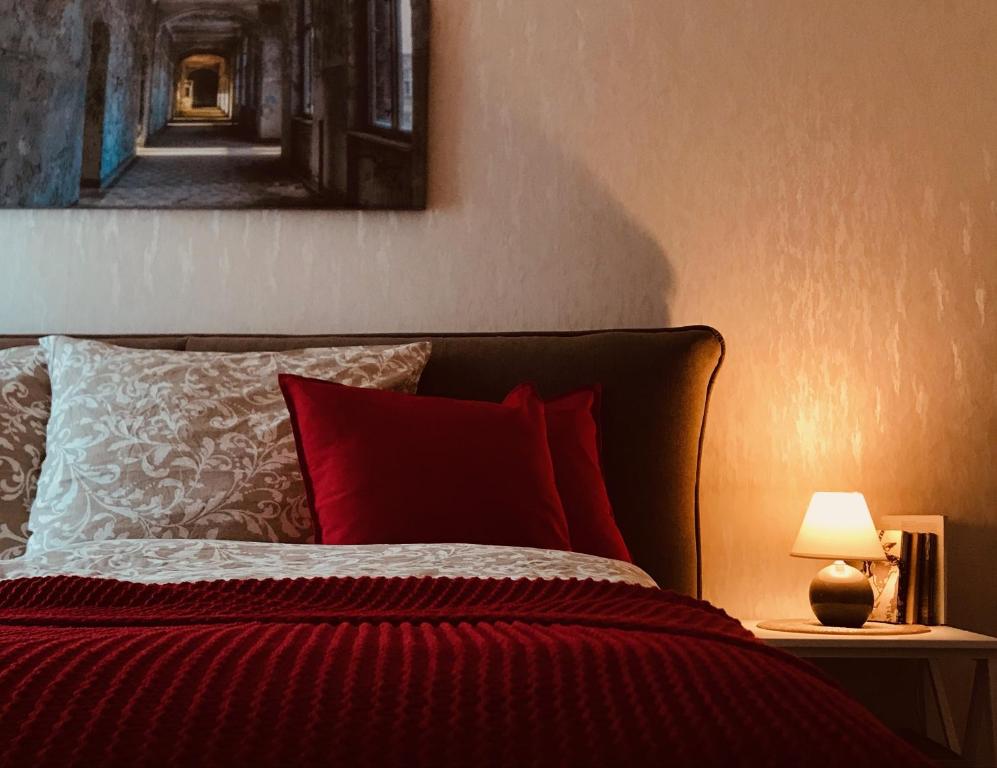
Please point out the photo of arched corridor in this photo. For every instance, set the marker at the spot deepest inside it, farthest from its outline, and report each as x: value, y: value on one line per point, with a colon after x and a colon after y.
x: 214, y: 104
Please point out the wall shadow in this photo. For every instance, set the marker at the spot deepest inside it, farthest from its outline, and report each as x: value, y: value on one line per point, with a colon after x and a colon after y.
x: 507, y: 184
x: 574, y: 242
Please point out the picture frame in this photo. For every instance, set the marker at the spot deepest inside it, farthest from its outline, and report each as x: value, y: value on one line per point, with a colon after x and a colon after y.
x: 232, y: 104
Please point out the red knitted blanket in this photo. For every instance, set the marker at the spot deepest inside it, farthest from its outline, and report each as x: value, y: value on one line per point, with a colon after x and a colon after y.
x: 406, y: 672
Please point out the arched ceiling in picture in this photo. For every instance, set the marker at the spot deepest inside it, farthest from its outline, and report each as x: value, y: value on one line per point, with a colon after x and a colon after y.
x: 208, y: 25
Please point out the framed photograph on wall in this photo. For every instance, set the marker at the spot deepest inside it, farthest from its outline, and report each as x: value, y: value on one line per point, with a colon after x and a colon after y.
x: 214, y: 104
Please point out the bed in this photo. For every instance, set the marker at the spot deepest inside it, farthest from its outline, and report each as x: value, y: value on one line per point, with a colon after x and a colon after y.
x: 155, y: 652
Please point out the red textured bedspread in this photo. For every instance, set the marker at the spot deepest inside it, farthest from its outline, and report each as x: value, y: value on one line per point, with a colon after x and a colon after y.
x: 406, y: 672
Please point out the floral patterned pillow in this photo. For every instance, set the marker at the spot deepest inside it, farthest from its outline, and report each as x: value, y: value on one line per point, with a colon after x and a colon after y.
x: 24, y: 408
x: 158, y: 444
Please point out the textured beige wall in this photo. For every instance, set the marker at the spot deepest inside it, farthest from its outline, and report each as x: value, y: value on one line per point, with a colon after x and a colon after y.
x: 816, y: 179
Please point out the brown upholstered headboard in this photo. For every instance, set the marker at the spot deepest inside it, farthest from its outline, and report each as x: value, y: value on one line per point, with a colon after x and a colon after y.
x: 657, y: 385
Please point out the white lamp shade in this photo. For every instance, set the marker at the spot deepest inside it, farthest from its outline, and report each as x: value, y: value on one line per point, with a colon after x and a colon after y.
x: 838, y: 526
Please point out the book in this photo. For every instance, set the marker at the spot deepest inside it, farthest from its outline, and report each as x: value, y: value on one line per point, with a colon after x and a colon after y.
x: 913, y: 578
x: 928, y: 568
x: 888, y: 579
x: 935, y: 554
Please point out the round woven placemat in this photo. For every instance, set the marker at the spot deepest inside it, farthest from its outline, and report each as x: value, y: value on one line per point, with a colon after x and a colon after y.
x: 813, y: 626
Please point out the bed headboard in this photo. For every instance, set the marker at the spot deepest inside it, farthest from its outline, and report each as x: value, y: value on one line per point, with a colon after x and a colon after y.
x: 657, y: 386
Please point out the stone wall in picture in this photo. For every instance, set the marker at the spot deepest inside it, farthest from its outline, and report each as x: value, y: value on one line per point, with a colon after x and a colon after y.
x: 44, y: 60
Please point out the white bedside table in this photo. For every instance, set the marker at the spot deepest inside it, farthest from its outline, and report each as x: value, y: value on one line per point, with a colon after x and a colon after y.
x: 978, y: 746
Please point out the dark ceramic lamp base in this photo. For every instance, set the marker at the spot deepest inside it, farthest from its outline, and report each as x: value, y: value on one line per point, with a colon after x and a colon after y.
x: 841, y: 596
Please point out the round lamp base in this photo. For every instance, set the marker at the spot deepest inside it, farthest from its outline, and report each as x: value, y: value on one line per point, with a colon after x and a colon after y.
x: 841, y: 596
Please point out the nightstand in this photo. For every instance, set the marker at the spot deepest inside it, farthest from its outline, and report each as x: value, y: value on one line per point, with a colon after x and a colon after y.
x: 979, y: 743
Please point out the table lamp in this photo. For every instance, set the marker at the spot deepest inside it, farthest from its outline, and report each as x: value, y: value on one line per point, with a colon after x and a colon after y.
x: 837, y: 527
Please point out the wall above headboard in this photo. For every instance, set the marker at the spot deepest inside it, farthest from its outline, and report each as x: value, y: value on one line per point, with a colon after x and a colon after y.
x: 815, y: 179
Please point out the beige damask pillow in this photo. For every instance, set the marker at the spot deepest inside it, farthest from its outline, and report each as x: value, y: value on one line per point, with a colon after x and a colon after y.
x: 198, y: 445
x: 24, y: 408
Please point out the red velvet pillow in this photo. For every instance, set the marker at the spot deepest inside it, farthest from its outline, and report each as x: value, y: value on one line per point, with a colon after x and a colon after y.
x: 389, y: 468
x: 573, y: 436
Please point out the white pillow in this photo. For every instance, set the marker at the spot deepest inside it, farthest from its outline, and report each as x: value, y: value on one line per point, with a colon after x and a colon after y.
x: 168, y: 445
x: 24, y: 407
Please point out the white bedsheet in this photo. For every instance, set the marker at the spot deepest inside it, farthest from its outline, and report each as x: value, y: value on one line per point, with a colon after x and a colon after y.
x: 181, y: 560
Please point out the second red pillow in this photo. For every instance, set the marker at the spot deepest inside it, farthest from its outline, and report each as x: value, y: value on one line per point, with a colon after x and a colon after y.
x: 573, y: 436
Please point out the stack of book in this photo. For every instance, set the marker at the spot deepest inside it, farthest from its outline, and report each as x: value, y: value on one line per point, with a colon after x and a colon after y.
x: 909, y: 585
